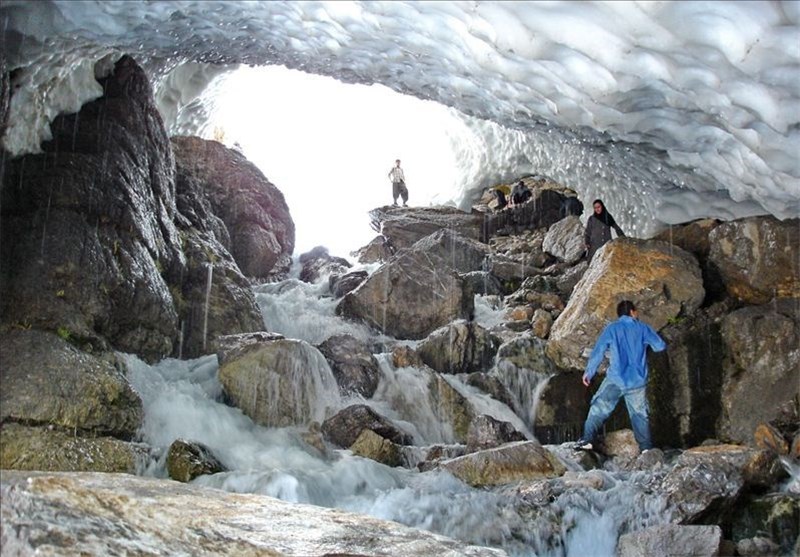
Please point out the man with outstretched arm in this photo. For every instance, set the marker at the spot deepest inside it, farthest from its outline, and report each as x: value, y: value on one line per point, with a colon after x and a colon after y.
x: 626, y: 341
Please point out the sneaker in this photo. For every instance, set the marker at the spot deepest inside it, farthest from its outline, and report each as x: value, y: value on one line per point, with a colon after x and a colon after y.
x: 404, y: 205
x: 583, y: 445
x: 395, y: 203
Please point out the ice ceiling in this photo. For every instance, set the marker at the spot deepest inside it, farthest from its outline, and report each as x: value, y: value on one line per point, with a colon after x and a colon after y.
x: 668, y: 110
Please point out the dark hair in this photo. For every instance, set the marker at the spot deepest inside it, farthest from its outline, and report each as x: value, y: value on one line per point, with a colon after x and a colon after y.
x: 604, y: 216
x: 625, y: 307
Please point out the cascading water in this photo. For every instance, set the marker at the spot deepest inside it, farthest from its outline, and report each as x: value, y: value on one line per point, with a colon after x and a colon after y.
x: 183, y: 399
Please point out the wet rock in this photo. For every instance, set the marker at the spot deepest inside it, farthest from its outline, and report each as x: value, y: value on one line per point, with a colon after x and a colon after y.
x: 97, y: 209
x: 253, y: 209
x: 278, y: 383
x: 371, y: 445
x: 187, y: 460
x: 403, y: 227
x: 565, y: 240
x: 775, y: 515
x: 758, y: 258
x: 705, y: 482
x: 5, y: 94
x: 352, y: 364
x: 758, y: 468
x: 760, y: 370
x: 233, y: 346
x: 524, y: 460
x: 426, y: 459
x: 562, y: 407
x: 47, y: 381
x: 769, y: 438
x: 376, y: 251
x: 649, y: 459
x: 510, y: 272
x: 569, y: 278
x: 541, y: 323
x: 486, y: 432
x: 344, y: 427
x: 108, y: 514
x: 492, y: 386
x: 621, y: 443
x: 460, y: 347
x: 418, y: 290
x: 318, y: 263
x: 483, y: 283
x: 341, y: 285
x: 405, y: 356
x: 662, y: 280
x: 42, y: 448
x: 671, y: 539
x: 685, y: 384
x: 694, y: 238
x: 757, y: 547
x: 541, y: 211
x: 226, y: 305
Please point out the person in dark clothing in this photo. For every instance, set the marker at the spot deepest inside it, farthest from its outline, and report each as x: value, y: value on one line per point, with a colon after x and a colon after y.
x: 520, y: 194
x: 625, y: 341
x: 501, y: 199
x: 598, y: 229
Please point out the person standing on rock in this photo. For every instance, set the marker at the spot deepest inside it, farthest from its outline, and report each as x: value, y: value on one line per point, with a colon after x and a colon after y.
x: 598, y: 229
x: 398, y: 178
x: 626, y: 341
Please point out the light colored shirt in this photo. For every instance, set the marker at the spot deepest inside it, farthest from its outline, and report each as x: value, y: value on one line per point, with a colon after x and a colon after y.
x: 626, y: 341
x: 397, y: 175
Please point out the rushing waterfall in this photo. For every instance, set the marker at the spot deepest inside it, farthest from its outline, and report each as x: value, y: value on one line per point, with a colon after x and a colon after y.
x: 183, y: 399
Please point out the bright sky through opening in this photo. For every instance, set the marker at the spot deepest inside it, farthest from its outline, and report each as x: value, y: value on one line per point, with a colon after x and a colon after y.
x: 329, y: 146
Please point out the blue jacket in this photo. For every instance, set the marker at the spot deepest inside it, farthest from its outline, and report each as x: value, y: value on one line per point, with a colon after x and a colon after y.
x: 626, y: 340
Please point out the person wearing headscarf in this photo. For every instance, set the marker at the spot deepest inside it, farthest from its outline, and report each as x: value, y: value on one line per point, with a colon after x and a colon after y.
x: 598, y: 229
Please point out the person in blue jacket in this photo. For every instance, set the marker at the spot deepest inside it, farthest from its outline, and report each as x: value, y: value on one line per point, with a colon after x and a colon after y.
x: 626, y: 341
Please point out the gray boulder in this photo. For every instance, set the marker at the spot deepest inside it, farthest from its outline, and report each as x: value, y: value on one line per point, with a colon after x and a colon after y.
x: 342, y: 284
x: 485, y: 432
x: 352, y: 363
x: 317, y: 263
x: 460, y: 347
x: 758, y: 258
x: 419, y: 289
x: 187, y: 460
x: 376, y: 251
x: 403, y: 227
x: 564, y: 240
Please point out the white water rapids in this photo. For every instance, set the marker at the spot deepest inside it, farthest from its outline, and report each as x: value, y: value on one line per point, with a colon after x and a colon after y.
x: 183, y: 399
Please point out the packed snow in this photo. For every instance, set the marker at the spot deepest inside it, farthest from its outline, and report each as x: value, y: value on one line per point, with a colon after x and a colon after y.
x: 669, y: 111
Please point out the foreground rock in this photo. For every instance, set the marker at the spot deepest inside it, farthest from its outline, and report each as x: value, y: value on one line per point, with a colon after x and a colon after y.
x: 663, y: 281
x: 110, y: 514
x: 419, y: 289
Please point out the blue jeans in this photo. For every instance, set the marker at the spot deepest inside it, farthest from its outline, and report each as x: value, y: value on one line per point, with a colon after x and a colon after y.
x: 603, y: 404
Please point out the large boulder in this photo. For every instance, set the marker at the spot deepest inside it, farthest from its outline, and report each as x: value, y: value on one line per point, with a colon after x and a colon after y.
x: 318, y: 263
x: 761, y: 368
x: 254, y: 211
x: 460, y: 347
x: 486, y: 432
x: 541, y: 211
x: 758, y: 258
x: 48, y: 382
x: 277, y: 382
x: 664, y: 281
x: 377, y: 250
x: 419, y: 289
x: 87, y: 228
x: 403, y: 227
x: 512, y: 462
x: 565, y: 240
x: 42, y: 448
x: 109, y: 514
x: 353, y: 365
